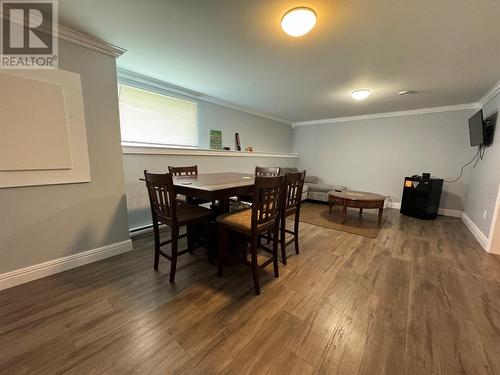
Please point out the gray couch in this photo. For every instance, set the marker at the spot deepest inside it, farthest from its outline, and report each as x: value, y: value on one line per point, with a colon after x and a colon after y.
x: 313, y: 188
x: 318, y: 191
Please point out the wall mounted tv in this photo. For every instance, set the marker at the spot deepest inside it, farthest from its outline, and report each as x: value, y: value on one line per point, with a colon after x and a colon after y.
x: 481, y: 130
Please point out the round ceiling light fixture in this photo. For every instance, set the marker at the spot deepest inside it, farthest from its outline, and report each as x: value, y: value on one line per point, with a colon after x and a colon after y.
x: 361, y: 94
x: 298, y: 21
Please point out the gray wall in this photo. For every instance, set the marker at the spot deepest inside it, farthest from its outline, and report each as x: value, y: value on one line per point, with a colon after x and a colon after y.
x: 485, y: 178
x: 375, y: 155
x: 41, y: 223
x: 264, y: 134
x: 134, y: 165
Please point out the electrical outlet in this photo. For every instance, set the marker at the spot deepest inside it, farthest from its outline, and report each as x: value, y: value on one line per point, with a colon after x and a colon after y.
x: 484, y: 214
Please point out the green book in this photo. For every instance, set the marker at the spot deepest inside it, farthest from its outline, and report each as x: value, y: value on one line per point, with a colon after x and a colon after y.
x: 215, y: 140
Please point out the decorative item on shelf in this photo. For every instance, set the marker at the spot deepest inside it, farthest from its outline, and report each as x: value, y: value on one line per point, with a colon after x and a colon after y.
x: 237, y: 138
x: 226, y: 148
x: 215, y: 140
x: 249, y: 149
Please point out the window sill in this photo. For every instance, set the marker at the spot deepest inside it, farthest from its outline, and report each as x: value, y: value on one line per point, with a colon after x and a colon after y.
x: 164, y: 150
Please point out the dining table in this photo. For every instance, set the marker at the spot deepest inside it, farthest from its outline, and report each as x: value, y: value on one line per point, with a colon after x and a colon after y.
x: 213, y: 187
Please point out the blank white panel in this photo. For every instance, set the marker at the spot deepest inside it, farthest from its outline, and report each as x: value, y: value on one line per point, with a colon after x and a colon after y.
x: 62, y: 150
x: 33, y: 132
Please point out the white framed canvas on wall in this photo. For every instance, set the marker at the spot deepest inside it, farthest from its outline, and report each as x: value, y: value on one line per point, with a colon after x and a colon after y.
x: 43, y: 137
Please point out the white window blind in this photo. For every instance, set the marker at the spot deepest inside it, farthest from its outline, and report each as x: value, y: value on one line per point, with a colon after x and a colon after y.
x: 148, y: 117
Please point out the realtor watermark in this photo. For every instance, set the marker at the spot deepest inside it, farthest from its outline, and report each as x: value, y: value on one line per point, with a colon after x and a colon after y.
x: 29, y: 34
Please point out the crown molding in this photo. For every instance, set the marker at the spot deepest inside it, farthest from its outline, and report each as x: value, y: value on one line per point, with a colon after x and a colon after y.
x: 495, y: 90
x: 142, y: 81
x: 75, y: 37
x: 372, y: 116
x: 87, y: 41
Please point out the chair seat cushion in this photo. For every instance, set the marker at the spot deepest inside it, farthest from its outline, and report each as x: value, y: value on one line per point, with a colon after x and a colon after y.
x: 239, y: 220
x: 191, y: 212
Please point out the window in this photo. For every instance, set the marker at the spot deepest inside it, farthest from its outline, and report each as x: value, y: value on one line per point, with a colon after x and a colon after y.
x: 151, y: 118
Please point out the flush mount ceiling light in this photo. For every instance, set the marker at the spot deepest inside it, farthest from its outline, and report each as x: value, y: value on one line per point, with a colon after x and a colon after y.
x: 361, y: 94
x: 405, y: 92
x: 298, y: 21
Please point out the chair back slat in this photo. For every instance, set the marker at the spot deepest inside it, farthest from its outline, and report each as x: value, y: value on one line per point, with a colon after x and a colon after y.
x: 268, y: 193
x: 162, y: 195
x: 294, y: 183
x: 267, y: 171
x: 183, y: 171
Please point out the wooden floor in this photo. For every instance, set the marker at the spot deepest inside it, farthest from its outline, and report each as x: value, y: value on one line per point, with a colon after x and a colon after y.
x: 422, y: 298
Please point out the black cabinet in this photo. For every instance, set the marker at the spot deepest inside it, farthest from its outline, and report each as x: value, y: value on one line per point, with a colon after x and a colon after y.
x: 421, y: 197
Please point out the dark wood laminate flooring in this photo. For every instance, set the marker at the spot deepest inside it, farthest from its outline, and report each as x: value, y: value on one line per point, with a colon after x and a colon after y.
x: 422, y: 298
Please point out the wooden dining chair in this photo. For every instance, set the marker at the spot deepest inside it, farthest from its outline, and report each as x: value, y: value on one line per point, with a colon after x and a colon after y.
x: 264, y: 216
x: 183, y: 171
x: 165, y: 210
x: 263, y: 172
x: 294, y: 183
x: 267, y: 171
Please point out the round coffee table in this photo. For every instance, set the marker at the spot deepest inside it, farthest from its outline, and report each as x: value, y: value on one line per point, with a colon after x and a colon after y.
x: 356, y: 199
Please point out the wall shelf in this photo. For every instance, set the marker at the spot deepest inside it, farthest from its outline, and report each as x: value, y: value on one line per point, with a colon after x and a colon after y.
x: 163, y: 150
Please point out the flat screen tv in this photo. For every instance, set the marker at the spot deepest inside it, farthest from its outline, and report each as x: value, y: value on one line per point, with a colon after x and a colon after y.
x: 477, y: 129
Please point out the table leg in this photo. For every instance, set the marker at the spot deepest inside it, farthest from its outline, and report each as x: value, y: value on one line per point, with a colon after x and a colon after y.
x: 222, y: 207
x: 225, y: 205
x: 331, y: 207
x: 190, y: 237
x: 360, y: 211
x: 212, y: 240
x: 380, y: 211
x: 344, y: 213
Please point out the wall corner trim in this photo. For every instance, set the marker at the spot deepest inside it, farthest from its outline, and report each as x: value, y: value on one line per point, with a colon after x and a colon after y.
x: 128, y: 77
x: 51, y: 267
x: 480, y: 237
x: 495, y: 220
x: 411, y: 112
x: 495, y: 90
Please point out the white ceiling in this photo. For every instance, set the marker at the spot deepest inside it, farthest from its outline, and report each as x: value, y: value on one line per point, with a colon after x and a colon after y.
x: 446, y: 50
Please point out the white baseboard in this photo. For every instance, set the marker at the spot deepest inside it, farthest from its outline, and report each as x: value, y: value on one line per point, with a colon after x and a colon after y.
x: 480, y: 237
x: 390, y: 204
x: 139, y: 231
x: 145, y: 229
x: 37, y: 271
x: 441, y: 211
x: 449, y: 212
